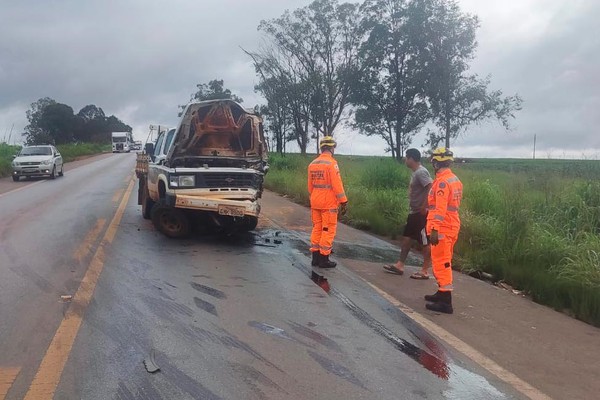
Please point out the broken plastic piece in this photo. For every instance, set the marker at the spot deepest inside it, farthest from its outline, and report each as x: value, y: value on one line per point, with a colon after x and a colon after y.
x: 150, y: 364
x: 66, y: 297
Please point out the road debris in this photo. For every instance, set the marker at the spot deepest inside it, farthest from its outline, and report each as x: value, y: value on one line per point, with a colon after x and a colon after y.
x: 150, y: 364
x: 66, y: 298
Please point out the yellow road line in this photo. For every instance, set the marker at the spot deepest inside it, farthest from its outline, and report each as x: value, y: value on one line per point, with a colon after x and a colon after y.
x: 21, y: 188
x: 7, y: 377
x: 117, y: 195
x: 51, y: 368
x: 88, y: 242
x: 491, y: 366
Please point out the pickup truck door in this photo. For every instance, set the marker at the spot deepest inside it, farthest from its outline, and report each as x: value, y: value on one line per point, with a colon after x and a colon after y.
x: 155, y: 161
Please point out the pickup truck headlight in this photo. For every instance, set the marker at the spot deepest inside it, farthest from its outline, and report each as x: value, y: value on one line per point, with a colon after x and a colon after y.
x: 182, y: 180
x: 46, y: 162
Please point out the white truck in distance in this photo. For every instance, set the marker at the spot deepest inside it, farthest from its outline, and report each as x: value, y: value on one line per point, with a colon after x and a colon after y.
x: 122, y: 142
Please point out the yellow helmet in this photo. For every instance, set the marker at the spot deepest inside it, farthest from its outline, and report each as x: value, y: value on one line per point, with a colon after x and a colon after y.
x: 442, y: 154
x: 327, y: 141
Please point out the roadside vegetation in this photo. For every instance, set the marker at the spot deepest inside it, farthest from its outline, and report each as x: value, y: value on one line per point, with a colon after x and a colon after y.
x: 533, y: 224
x: 69, y: 152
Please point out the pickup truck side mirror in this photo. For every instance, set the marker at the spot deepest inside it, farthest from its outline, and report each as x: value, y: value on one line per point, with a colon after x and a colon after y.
x: 149, y: 148
x: 14, y: 156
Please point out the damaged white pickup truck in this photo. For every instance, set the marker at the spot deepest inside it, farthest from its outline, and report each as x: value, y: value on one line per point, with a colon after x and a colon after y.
x: 209, y: 170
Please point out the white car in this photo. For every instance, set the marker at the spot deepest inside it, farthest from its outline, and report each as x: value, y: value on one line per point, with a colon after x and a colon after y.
x: 37, y: 161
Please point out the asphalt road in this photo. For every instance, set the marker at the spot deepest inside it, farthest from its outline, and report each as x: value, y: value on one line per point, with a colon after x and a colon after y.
x: 223, y: 317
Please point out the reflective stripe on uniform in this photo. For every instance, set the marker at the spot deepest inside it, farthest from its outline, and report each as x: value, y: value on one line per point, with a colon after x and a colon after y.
x: 321, y: 162
x: 341, y: 195
x: 452, y: 180
x: 438, y: 217
x: 452, y: 208
x: 447, y: 287
x: 322, y: 186
x: 333, y: 210
x: 326, y: 248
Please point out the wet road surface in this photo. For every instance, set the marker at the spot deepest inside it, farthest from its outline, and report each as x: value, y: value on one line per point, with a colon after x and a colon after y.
x: 222, y: 317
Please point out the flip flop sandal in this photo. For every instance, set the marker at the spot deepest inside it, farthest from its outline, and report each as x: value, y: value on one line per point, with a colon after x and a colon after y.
x: 392, y: 269
x: 419, y: 276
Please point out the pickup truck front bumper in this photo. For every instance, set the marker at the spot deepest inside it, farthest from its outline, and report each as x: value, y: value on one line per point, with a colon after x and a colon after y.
x: 234, y: 208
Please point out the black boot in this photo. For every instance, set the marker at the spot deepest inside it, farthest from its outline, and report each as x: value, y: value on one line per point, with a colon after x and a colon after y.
x: 324, y: 262
x: 433, y: 297
x: 316, y: 257
x: 443, y: 305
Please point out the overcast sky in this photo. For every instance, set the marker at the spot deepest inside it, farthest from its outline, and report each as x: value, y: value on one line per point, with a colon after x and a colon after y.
x: 139, y: 59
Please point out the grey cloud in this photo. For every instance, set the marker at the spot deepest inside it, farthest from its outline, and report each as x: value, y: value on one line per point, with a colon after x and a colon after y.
x: 140, y: 59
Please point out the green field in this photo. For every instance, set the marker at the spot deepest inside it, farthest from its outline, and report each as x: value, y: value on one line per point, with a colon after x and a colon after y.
x: 69, y: 152
x: 531, y: 223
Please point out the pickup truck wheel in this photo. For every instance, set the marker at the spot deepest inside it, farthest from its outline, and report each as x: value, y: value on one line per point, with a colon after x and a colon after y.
x: 53, y: 174
x: 172, y: 222
x: 16, y: 178
x: 250, y: 223
x: 147, y: 203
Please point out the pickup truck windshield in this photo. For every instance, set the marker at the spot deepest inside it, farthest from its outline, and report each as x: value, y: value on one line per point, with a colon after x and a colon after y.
x: 119, y: 139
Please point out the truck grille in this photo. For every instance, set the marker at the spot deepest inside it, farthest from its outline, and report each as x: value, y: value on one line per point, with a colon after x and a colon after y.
x: 229, y: 180
x: 30, y: 163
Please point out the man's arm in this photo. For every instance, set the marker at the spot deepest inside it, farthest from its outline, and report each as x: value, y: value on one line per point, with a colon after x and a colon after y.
x: 337, y: 185
x: 425, y: 205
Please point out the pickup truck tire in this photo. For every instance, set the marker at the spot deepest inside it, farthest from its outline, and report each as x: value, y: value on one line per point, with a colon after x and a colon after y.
x: 53, y: 174
x: 16, y: 178
x: 147, y: 203
x: 170, y: 221
x: 250, y: 223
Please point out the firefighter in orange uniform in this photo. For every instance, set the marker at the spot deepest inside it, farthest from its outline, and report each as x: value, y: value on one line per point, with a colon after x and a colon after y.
x: 443, y: 225
x: 327, y: 197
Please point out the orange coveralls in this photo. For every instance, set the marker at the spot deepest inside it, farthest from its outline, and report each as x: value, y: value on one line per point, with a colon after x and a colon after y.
x: 444, y: 200
x: 326, y: 193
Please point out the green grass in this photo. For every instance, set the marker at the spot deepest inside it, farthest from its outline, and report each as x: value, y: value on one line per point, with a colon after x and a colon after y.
x: 69, y: 152
x: 6, y: 153
x: 533, y: 223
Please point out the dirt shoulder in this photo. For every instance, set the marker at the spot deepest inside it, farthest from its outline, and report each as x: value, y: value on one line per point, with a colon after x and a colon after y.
x: 7, y: 184
x: 549, y: 350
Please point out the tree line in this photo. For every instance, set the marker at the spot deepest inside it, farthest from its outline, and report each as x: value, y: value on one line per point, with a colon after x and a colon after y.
x: 56, y: 123
x: 387, y: 68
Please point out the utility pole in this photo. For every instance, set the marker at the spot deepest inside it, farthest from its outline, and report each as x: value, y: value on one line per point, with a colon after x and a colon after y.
x: 534, y: 140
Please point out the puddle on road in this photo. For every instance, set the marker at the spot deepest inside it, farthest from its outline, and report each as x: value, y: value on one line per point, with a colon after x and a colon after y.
x: 269, y: 329
x: 463, y: 384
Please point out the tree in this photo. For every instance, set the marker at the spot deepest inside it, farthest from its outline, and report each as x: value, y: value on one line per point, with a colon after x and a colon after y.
x: 458, y: 99
x: 213, y: 90
x: 52, y: 122
x: 319, y: 45
x: 288, y: 96
x: 33, y: 133
x: 59, y: 122
x: 91, y: 112
x: 276, y: 114
x: 390, y: 95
